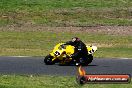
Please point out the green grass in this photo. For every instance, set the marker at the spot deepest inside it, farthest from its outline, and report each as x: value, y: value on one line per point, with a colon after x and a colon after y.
x: 40, y: 43
x: 114, y: 52
x: 53, y: 4
x: 66, y: 12
x: 17, y: 81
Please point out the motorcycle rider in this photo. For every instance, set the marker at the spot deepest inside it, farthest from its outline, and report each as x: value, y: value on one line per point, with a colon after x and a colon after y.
x: 80, y: 50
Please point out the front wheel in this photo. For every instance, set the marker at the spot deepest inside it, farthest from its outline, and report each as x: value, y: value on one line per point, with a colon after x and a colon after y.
x: 48, y: 60
x: 90, y: 58
x: 87, y: 61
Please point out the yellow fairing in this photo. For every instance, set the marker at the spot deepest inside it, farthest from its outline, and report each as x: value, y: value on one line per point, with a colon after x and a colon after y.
x: 89, y: 48
x: 60, y: 52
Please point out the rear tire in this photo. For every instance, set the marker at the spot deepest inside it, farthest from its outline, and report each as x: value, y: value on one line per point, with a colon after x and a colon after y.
x: 48, y: 60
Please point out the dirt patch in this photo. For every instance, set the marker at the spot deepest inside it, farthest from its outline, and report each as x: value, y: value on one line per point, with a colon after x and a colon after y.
x: 120, y: 30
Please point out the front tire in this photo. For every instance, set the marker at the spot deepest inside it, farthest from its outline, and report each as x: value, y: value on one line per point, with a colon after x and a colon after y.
x: 88, y: 61
x: 90, y: 58
x: 48, y: 60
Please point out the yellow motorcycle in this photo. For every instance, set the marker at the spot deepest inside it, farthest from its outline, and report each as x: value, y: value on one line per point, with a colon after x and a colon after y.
x: 61, y: 54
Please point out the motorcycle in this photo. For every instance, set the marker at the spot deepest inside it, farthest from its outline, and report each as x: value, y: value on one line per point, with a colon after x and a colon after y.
x: 61, y: 54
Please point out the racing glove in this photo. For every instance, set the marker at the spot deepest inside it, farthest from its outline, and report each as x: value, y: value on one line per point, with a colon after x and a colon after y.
x: 67, y: 56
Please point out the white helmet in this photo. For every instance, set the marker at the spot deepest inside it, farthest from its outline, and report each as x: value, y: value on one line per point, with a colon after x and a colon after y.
x: 94, y: 48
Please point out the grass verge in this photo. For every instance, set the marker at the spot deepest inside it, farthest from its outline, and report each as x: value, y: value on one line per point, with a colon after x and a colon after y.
x: 66, y: 13
x: 40, y: 43
x: 27, y: 81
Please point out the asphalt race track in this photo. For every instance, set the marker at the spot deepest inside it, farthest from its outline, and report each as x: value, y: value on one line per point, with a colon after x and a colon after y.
x: 35, y: 65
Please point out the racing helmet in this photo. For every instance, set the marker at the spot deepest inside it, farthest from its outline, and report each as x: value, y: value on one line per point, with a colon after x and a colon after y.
x: 75, y: 39
x: 94, y: 48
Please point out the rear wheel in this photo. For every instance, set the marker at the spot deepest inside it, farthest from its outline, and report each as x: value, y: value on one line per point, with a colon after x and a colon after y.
x: 48, y: 60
